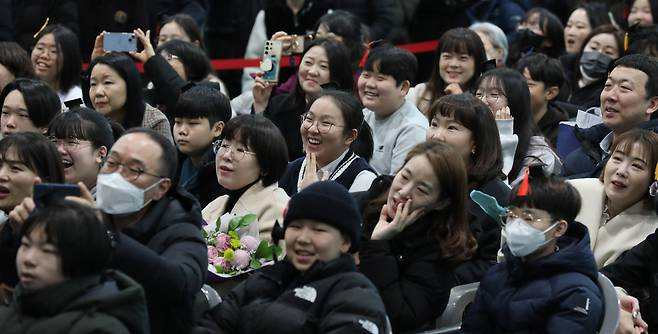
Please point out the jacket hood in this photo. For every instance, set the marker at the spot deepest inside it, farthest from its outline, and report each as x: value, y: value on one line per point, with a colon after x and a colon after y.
x: 112, y: 293
x: 574, y: 255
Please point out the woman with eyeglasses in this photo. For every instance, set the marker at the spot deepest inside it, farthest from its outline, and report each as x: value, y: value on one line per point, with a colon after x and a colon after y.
x: 83, y: 138
x: 617, y: 207
x: 506, y: 93
x: 548, y: 281
x: 325, y: 61
x: 337, y: 143
x: 250, y: 159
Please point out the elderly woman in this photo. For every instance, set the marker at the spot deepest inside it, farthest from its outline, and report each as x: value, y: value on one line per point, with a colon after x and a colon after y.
x: 494, y: 40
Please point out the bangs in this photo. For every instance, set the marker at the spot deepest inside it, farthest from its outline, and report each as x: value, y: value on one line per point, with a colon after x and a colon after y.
x: 491, y: 82
x: 464, y: 115
x: 68, y: 126
x: 22, y: 156
x: 457, y: 45
x: 626, y: 147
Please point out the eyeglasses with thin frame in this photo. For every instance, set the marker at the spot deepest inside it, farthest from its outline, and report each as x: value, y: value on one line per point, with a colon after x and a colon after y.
x: 237, y: 153
x: 69, y: 144
x: 131, y: 171
x: 323, y: 127
x: 526, y: 216
x: 491, y: 96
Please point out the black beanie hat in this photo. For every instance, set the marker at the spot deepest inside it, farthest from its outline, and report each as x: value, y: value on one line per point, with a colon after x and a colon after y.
x: 330, y: 203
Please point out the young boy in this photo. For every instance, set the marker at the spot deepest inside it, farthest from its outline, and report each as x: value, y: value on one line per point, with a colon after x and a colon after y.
x: 545, y: 76
x: 548, y: 282
x: 199, y: 118
x: 397, y: 125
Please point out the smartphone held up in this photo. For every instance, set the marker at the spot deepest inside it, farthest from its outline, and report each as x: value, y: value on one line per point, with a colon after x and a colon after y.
x: 119, y: 41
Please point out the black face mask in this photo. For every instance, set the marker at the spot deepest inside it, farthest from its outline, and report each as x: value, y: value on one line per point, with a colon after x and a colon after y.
x: 525, y: 40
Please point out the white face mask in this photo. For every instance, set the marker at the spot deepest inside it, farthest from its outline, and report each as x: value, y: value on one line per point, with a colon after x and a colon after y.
x: 523, y: 239
x: 116, y: 195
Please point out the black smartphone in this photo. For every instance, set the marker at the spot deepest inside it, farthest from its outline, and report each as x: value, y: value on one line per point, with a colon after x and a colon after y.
x: 43, y: 193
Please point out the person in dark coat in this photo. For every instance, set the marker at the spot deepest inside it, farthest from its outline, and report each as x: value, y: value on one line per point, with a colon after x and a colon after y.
x: 316, y: 288
x: 418, y: 231
x: 64, y: 287
x: 548, y: 282
x: 468, y: 126
x: 622, y: 109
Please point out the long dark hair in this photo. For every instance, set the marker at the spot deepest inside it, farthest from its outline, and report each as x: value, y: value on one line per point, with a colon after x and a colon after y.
x: 459, y: 40
x: 487, y: 161
x: 515, y: 88
x: 125, y: 67
x: 69, y: 50
x: 348, y: 27
x: 451, y: 230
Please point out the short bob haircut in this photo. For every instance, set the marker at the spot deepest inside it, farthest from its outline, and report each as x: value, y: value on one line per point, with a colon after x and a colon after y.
x: 347, y: 26
x: 451, y: 231
x: 37, y: 153
x: 648, y: 142
x: 204, y: 102
x: 195, y: 61
x: 396, y: 62
x: 84, y: 124
x: 543, y: 69
x: 553, y: 195
x: 646, y: 64
x: 125, y: 67
x: 69, y: 51
x: 80, y: 237
x: 351, y: 110
x: 495, y: 34
x: 16, y: 60
x: 461, y: 41
x: 262, y: 137
x: 41, y: 101
x: 189, y: 26
x: 487, y: 162
x: 515, y: 88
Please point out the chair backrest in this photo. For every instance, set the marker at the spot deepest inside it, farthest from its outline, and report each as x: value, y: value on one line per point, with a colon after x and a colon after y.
x: 460, y: 297
x: 611, y: 305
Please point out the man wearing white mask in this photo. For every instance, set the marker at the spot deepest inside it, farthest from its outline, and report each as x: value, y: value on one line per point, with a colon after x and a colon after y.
x: 157, y: 229
x: 547, y: 283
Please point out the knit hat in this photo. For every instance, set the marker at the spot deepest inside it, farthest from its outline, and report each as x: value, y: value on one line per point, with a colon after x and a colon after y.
x: 330, y: 203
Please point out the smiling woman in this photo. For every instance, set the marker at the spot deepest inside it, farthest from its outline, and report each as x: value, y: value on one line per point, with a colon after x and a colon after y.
x: 617, y: 208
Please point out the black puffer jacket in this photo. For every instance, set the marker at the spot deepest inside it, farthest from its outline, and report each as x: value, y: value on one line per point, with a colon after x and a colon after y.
x: 329, y: 297
x: 166, y: 254
x: 108, y: 303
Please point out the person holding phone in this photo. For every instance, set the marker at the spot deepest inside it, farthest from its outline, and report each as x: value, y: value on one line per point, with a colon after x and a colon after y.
x: 114, y: 89
x: 26, y: 159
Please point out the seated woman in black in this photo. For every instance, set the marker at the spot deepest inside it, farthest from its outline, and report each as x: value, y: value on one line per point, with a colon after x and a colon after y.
x: 418, y: 229
x: 316, y: 288
x: 466, y: 124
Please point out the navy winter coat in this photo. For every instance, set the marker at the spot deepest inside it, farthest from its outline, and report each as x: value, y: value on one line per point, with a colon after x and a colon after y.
x: 554, y: 294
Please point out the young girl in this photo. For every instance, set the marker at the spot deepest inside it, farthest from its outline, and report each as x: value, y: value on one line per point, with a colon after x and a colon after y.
x: 25, y: 159
x: 249, y: 160
x: 506, y: 93
x: 28, y: 105
x: 459, y: 58
x: 316, y: 288
x: 417, y: 224
x: 64, y: 250
x: 466, y: 124
x: 324, y: 61
x: 83, y: 138
x: 617, y: 208
x: 585, y: 17
x: 330, y: 129
x: 539, y: 31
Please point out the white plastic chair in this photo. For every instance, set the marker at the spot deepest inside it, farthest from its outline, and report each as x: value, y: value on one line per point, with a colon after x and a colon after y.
x: 451, y: 319
x: 610, y: 306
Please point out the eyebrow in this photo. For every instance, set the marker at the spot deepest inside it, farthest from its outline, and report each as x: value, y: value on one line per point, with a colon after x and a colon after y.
x: 13, y: 162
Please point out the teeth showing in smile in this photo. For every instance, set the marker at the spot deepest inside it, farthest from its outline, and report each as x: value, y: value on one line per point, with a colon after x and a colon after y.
x: 314, y: 141
x: 66, y: 163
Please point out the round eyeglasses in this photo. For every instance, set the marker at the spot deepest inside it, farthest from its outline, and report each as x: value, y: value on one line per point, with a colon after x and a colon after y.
x: 236, y: 153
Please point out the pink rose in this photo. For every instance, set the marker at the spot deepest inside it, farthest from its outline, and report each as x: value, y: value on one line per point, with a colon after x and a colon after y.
x: 249, y: 243
x: 223, y: 242
x: 241, y: 259
x: 213, y: 255
x: 225, y: 264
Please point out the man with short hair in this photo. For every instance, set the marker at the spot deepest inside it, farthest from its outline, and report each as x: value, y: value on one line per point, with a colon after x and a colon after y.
x: 629, y: 100
x: 157, y: 229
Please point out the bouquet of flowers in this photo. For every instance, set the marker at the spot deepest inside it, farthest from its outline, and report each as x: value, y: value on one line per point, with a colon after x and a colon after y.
x: 232, y: 247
